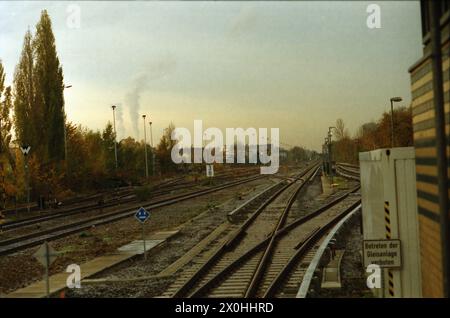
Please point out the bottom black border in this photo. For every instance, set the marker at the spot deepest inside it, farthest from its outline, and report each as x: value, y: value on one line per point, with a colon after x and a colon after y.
x: 154, y: 307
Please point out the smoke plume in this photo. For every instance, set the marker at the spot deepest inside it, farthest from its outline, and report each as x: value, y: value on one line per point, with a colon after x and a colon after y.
x: 141, y: 83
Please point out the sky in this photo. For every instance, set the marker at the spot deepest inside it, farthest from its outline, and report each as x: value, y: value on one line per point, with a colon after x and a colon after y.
x: 296, y: 66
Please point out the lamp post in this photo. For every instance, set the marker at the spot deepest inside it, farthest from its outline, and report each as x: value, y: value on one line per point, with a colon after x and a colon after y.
x: 64, y: 124
x: 330, y: 156
x: 151, y: 134
x: 393, y: 99
x: 153, y: 149
x: 326, y: 161
x: 324, y: 153
x: 145, y: 147
x: 115, y: 134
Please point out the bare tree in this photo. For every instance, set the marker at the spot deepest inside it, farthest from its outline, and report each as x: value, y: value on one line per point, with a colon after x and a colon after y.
x: 340, y: 131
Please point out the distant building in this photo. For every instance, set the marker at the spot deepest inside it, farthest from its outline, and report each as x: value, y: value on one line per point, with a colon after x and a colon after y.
x: 431, y: 119
x: 283, y: 153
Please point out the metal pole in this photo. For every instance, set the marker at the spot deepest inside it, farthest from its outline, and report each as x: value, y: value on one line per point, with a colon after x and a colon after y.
x: 28, y: 183
x: 143, y: 240
x: 153, y: 149
x: 441, y: 141
x: 330, y: 157
x: 392, y: 123
x: 145, y: 147
x: 330, y: 151
x: 393, y: 99
x: 151, y: 134
x: 325, y: 160
x: 115, y: 134
x: 47, y: 265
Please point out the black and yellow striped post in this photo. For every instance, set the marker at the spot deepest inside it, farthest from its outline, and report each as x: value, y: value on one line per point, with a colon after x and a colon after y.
x: 387, y: 219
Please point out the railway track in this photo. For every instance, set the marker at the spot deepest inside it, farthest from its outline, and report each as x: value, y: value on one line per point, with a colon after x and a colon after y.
x: 348, y: 165
x: 348, y: 171
x: 284, y: 275
x: 123, y: 197
x: 70, y: 202
x: 268, y: 265
x: 232, y: 248
x: 159, y: 189
x: 29, y: 240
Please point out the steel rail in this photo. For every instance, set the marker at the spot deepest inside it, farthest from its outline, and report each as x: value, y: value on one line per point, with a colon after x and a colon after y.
x: 306, y: 282
x: 347, y: 173
x: 253, y: 286
x: 231, y: 216
x: 187, y: 285
x: 15, y: 244
x: 348, y: 170
x: 262, y: 244
x: 162, y: 188
x: 345, y: 164
x: 303, y: 248
x: 241, y: 231
x: 80, y: 209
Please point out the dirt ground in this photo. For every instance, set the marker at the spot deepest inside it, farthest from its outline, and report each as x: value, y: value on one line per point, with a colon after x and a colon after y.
x: 175, y: 248
x: 190, y: 234
x: 21, y: 269
x: 198, y: 218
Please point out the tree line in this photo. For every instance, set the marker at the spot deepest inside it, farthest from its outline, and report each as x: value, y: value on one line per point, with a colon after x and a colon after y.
x: 373, y: 135
x: 32, y: 114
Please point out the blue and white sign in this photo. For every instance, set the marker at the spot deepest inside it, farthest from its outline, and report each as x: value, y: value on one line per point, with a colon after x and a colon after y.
x: 142, y: 215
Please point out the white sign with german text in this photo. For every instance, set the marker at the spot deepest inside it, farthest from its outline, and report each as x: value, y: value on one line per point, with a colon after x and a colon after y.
x: 384, y: 253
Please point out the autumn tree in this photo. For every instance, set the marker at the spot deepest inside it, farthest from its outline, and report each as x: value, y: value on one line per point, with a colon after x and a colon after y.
x: 403, y: 128
x: 367, y: 136
x: 343, y: 148
x: 7, y: 184
x: 373, y: 135
x: 86, y: 167
x: 164, y: 149
x: 23, y: 93
x: 5, y: 118
x: 132, y: 160
x: 109, y: 139
x: 39, y: 106
x: 49, y: 100
x: 297, y: 154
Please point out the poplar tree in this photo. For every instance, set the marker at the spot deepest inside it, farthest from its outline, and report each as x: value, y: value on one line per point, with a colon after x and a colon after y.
x: 5, y: 110
x: 49, y: 99
x: 6, y: 158
x: 5, y: 118
x: 23, y: 94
